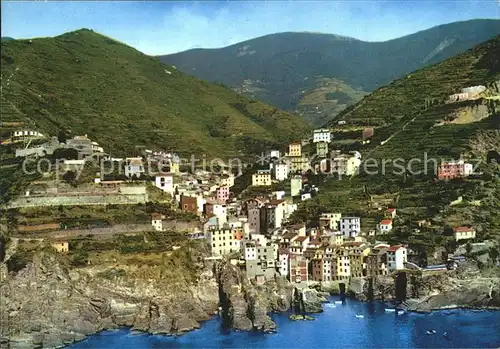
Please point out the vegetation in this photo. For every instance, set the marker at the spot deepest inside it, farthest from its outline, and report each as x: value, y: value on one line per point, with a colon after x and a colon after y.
x: 85, y: 83
x: 282, y: 69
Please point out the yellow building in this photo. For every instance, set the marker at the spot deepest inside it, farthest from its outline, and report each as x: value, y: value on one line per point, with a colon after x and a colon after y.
x: 298, y: 163
x: 295, y: 149
x: 261, y: 178
x: 343, y: 265
x: 174, y: 168
x: 61, y: 246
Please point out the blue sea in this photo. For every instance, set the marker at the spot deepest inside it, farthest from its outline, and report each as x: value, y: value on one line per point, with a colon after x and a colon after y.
x: 335, y: 328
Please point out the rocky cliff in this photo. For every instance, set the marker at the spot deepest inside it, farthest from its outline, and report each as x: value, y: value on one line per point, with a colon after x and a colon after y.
x: 49, y: 303
x: 246, y: 305
x: 465, y: 287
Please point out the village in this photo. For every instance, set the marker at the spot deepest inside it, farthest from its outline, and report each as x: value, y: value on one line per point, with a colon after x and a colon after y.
x: 254, y: 232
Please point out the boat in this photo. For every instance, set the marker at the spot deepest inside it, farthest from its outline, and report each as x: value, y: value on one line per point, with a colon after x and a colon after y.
x: 307, y: 317
x: 360, y: 316
x: 431, y: 332
x: 338, y: 302
x: 330, y: 305
x: 401, y: 312
x: 390, y: 310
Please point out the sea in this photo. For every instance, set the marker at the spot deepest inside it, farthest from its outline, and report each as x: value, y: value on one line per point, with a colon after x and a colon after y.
x: 351, y: 324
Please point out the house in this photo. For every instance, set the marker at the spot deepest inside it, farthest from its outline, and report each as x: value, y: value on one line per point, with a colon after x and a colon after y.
x: 275, y: 211
x: 344, y: 164
x: 82, y: 144
x: 165, y: 183
x: 464, y: 233
x: 330, y: 221
x: 396, y: 258
x: 189, y: 204
x: 281, y: 171
x: 222, y: 194
x: 156, y: 221
x: 264, y: 264
x: 227, y: 180
x: 298, y: 164
x: 261, y: 178
x: 283, y: 261
x: 217, y: 210
x: 350, y: 226
x: 299, y: 228
x: 376, y: 262
x: 223, y: 241
x: 385, y: 226
x: 322, y: 135
x: 298, y: 268
x: 341, y: 269
x: 341, y: 122
x: 61, y: 246
x: 295, y: 185
x: 299, y: 244
x: 27, y: 134
x: 305, y: 196
x: 295, y: 149
x: 367, y: 133
x: 134, y: 167
x: 322, y: 149
x: 454, y: 169
x: 274, y: 154
x: 391, y: 212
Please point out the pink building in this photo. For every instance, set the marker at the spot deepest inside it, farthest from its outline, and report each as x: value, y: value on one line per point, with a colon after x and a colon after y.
x: 454, y: 169
x: 222, y: 194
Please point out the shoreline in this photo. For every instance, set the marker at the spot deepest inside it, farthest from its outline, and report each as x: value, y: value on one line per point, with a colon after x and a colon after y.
x: 135, y: 332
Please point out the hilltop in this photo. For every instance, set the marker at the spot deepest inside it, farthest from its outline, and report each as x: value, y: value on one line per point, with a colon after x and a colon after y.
x: 91, y: 84
x: 289, y: 70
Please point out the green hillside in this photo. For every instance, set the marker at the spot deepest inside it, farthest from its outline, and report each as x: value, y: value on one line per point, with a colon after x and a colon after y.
x: 282, y: 68
x: 414, y: 124
x: 92, y: 84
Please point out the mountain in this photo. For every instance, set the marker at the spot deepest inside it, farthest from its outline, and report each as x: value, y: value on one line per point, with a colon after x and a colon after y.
x: 7, y: 38
x: 416, y: 126
x: 91, y: 84
x: 286, y: 69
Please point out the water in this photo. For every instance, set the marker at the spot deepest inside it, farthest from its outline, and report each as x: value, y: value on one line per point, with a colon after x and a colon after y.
x: 335, y: 328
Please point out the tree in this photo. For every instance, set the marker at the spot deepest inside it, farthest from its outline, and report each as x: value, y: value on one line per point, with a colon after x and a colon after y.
x: 62, y: 136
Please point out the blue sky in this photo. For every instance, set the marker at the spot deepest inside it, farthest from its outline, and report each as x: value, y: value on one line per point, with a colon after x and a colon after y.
x: 166, y: 27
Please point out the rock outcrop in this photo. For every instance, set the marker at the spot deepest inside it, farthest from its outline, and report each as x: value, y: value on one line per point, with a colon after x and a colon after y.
x: 465, y: 287
x: 47, y: 304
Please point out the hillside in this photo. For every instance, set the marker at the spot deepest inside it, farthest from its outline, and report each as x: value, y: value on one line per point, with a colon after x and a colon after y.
x: 92, y: 84
x: 284, y: 69
x: 414, y: 126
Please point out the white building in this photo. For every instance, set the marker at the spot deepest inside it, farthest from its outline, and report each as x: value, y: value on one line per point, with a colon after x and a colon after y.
x: 249, y: 250
x: 322, y: 135
x: 385, y: 226
x: 464, y: 233
x: 281, y: 171
x: 396, y: 258
x: 305, y: 196
x: 220, y: 211
x: 134, y: 167
x: 350, y: 226
x: 165, y: 183
x: 156, y: 221
x: 283, y: 261
x: 274, y: 154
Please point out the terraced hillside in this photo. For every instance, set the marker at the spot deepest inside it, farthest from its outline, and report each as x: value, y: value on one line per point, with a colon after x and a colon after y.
x: 414, y: 124
x: 92, y: 84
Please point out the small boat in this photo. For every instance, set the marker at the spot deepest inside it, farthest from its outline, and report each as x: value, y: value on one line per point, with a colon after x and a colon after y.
x: 338, y: 302
x: 446, y: 335
x: 330, y: 305
x: 431, y: 332
x: 360, y: 316
x: 401, y: 312
x: 390, y: 310
x: 307, y: 317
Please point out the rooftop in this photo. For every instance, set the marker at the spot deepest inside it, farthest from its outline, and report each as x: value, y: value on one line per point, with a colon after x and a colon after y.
x: 386, y: 221
x: 463, y: 229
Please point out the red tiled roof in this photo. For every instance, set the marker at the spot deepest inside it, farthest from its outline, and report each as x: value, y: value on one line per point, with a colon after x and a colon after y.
x: 156, y: 216
x: 353, y: 243
x: 463, y: 229
x: 301, y: 238
x: 283, y: 251
x: 386, y: 221
x: 276, y: 202
x: 391, y: 209
x: 315, y: 243
x: 394, y: 248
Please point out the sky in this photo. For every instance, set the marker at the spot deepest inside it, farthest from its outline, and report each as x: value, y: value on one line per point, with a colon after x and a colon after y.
x: 158, y: 27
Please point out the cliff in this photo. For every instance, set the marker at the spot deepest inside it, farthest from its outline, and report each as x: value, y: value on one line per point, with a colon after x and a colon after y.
x: 49, y: 303
x: 464, y: 287
x: 246, y: 305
